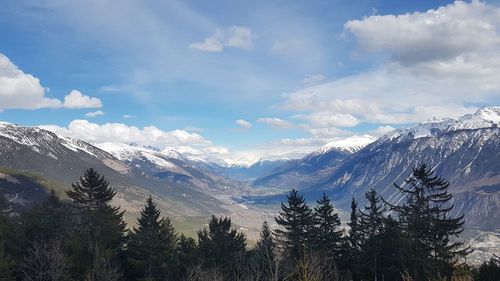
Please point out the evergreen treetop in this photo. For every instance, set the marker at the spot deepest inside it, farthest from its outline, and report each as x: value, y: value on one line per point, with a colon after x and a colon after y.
x: 297, y: 221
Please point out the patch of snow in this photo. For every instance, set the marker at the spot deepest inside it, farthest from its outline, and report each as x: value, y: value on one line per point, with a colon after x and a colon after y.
x: 130, y: 152
x: 486, y: 117
x: 350, y: 144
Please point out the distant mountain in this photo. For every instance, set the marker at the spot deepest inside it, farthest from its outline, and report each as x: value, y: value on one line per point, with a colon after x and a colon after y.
x: 299, y: 173
x: 249, y: 173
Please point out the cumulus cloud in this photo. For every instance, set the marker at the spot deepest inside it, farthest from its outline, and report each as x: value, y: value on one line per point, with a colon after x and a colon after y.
x: 75, y: 99
x: 275, y: 122
x: 443, y: 33
x: 234, y: 37
x: 243, y: 123
x: 441, y: 63
x: 94, y: 113
x: 24, y: 91
x: 21, y: 90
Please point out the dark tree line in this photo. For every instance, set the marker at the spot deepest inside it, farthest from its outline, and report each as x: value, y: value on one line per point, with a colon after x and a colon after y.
x: 85, y: 239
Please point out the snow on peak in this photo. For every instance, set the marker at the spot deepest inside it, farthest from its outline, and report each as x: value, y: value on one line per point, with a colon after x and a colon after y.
x: 486, y: 117
x: 129, y: 152
x: 350, y: 144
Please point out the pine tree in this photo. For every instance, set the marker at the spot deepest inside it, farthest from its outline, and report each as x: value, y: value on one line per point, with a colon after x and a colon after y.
x: 352, y: 245
x: 221, y: 246
x: 187, y: 255
x: 489, y: 270
x: 169, y: 243
x: 354, y: 231
x: 372, y: 216
x: 371, y: 225
x: 99, y: 225
x: 426, y: 218
x: 7, y: 247
x: 48, y: 221
x: 392, y: 255
x: 327, y: 233
x: 296, y: 220
x: 265, y: 251
x: 151, y: 245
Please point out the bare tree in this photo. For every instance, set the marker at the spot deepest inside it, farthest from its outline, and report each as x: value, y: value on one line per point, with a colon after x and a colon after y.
x: 198, y: 273
x: 314, y: 267
x: 45, y: 261
x: 103, y: 268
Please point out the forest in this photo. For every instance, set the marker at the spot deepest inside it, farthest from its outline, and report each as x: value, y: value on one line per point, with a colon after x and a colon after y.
x: 85, y: 238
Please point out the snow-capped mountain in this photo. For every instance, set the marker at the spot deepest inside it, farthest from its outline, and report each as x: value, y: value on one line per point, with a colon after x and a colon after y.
x: 134, y: 171
x: 486, y: 117
x: 464, y: 151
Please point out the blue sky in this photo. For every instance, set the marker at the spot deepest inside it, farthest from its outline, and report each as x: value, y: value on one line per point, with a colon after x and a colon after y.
x: 299, y: 73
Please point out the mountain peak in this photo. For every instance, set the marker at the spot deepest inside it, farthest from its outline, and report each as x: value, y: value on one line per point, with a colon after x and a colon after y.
x: 485, y: 117
x: 350, y: 144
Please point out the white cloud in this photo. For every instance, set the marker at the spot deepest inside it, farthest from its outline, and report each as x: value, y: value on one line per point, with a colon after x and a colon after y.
x: 21, y: 90
x: 210, y: 44
x: 443, y: 33
x: 240, y: 37
x: 243, y: 123
x: 234, y: 37
x: 94, y: 113
x: 127, y: 116
x: 442, y: 63
x: 275, y: 122
x: 327, y: 119
x: 327, y: 132
x: 149, y: 135
x: 75, y: 99
x: 24, y: 91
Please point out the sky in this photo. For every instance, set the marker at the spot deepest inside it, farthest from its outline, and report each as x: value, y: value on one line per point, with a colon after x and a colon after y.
x: 241, y: 80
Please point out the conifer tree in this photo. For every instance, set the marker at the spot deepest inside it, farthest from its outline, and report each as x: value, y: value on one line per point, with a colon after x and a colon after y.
x: 371, y: 225
x: 7, y: 262
x: 169, y: 243
x: 187, y: 255
x: 221, y: 246
x: 352, y: 244
x: 327, y: 233
x: 48, y: 221
x: 354, y: 231
x: 372, y: 215
x: 151, y: 245
x: 426, y: 218
x: 265, y: 251
x: 392, y: 254
x: 296, y: 220
x: 99, y: 225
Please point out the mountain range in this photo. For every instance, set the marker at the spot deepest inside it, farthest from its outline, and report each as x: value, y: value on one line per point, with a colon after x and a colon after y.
x: 464, y: 151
